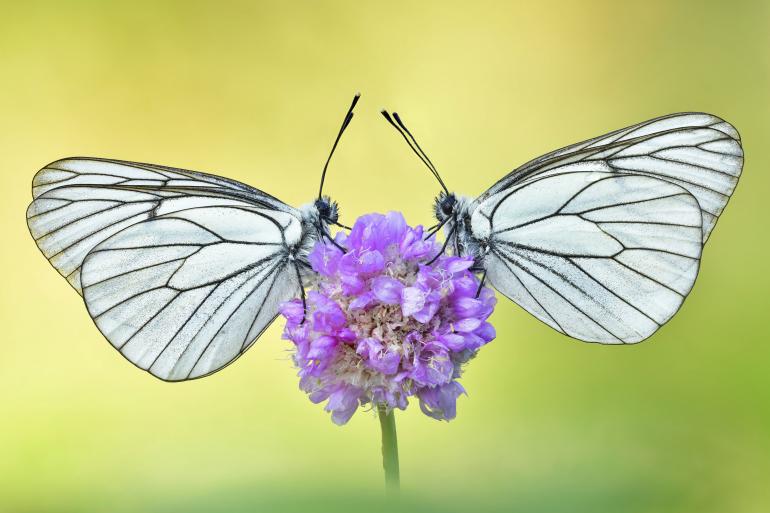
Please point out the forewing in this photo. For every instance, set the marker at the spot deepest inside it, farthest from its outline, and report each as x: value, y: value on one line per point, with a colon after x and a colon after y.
x: 600, y: 256
x: 699, y: 152
x: 90, y: 171
x: 80, y: 202
x: 184, y: 294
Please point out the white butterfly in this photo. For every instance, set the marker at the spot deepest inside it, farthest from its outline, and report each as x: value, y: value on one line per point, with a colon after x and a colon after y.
x: 600, y: 240
x: 180, y: 270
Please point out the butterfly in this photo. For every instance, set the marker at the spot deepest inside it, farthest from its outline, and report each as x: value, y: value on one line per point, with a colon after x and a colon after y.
x: 180, y: 270
x: 600, y: 240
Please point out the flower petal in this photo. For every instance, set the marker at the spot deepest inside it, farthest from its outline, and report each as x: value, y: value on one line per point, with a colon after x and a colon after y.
x: 387, y: 290
x: 412, y: 300
x: 453, y: 341
x: 293, y: 311
x: 467, y: 325
x: 322, y: 348
x: 486, y: 331
x: 325, y: 259
x: 362, y: 301
x: 440, y: 402
x: 457, y: 264
x: 370, y: 262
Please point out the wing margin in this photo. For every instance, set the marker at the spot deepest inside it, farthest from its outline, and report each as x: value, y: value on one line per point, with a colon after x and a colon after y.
x: 700, y: 152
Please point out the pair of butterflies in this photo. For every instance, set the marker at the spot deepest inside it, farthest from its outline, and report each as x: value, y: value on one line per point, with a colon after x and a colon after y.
x: 182, y: 271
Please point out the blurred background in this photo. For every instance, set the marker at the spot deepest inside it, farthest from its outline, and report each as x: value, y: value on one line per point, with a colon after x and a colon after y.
x: 256, y: 91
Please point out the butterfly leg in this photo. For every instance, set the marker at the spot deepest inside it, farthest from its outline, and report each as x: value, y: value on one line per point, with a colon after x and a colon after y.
x: 481, y: 283
x: 302, y: 289
x: 323, y: 234
x: 433, y: 230
x: 456, y: 244
x: 330, y: 239
x: 335, y: 223
x: 443, y: 247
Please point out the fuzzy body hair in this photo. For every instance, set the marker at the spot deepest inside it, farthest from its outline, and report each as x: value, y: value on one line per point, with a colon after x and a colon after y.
x: 455, y: 212
x: 316, y: 217
x: 312, y: 224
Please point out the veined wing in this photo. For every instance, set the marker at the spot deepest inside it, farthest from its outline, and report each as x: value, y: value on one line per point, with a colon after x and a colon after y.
x: 183, y: 294
x: 600, y: 256
x: 699, y: 152
x: 80, y: 202
x: 90, y: 171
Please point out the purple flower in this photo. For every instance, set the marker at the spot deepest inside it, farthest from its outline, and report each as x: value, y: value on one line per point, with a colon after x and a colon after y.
x: 440, y: 402
x: 387, y: 290
x: 378, y: 357
x: 383, y: 325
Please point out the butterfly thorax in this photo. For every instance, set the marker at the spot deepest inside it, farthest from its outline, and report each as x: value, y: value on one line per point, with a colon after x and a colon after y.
x: 316, y: 218
x: 454, y: 212
x: 467, y: 243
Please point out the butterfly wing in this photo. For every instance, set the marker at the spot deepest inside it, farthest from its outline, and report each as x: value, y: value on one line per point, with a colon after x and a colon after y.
x: 79, y: 202
x: 180, y: 270
x: 184, y: 294
x: 600, y: 256
x: 699, y: 152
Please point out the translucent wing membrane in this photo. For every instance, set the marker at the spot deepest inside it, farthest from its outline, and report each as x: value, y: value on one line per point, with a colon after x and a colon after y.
x: 180, y: 270
x: 184, y: 294
x: 699, y: 152
x: 598, y: 255
x: 80, y: 202
x: 137, y: 175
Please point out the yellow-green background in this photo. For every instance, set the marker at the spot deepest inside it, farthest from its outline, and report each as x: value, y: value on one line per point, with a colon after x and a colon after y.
x: 256, y: 91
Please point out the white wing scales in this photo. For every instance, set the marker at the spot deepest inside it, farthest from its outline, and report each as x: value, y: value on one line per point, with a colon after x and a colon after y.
x: 183, y: 295
x: 180, y: 270
x: 599, y: 256
x: 700, y: 152
x: 602, y: 239
x: 108, y: 172
x: 80, y: 202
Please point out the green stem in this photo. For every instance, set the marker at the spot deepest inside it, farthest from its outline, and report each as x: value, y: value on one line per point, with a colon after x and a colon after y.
x: 389, y: 449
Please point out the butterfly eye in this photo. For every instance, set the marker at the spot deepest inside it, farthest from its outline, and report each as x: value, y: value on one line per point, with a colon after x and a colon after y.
x: 323, y: 208
x: 444, y: 206
x: 448, y: 204
x: 327, y: 209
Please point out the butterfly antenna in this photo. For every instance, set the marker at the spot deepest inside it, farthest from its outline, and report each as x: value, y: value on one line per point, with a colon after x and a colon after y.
x: 430, y: 162
x: 413, y: 145
x: 345, y: 123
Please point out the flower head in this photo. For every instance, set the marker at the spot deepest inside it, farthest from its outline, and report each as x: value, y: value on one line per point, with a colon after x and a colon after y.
x: 387, y: 321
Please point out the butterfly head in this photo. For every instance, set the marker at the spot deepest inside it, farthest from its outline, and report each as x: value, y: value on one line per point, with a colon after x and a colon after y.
x: 445, y: 206
x: 328, y: 211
